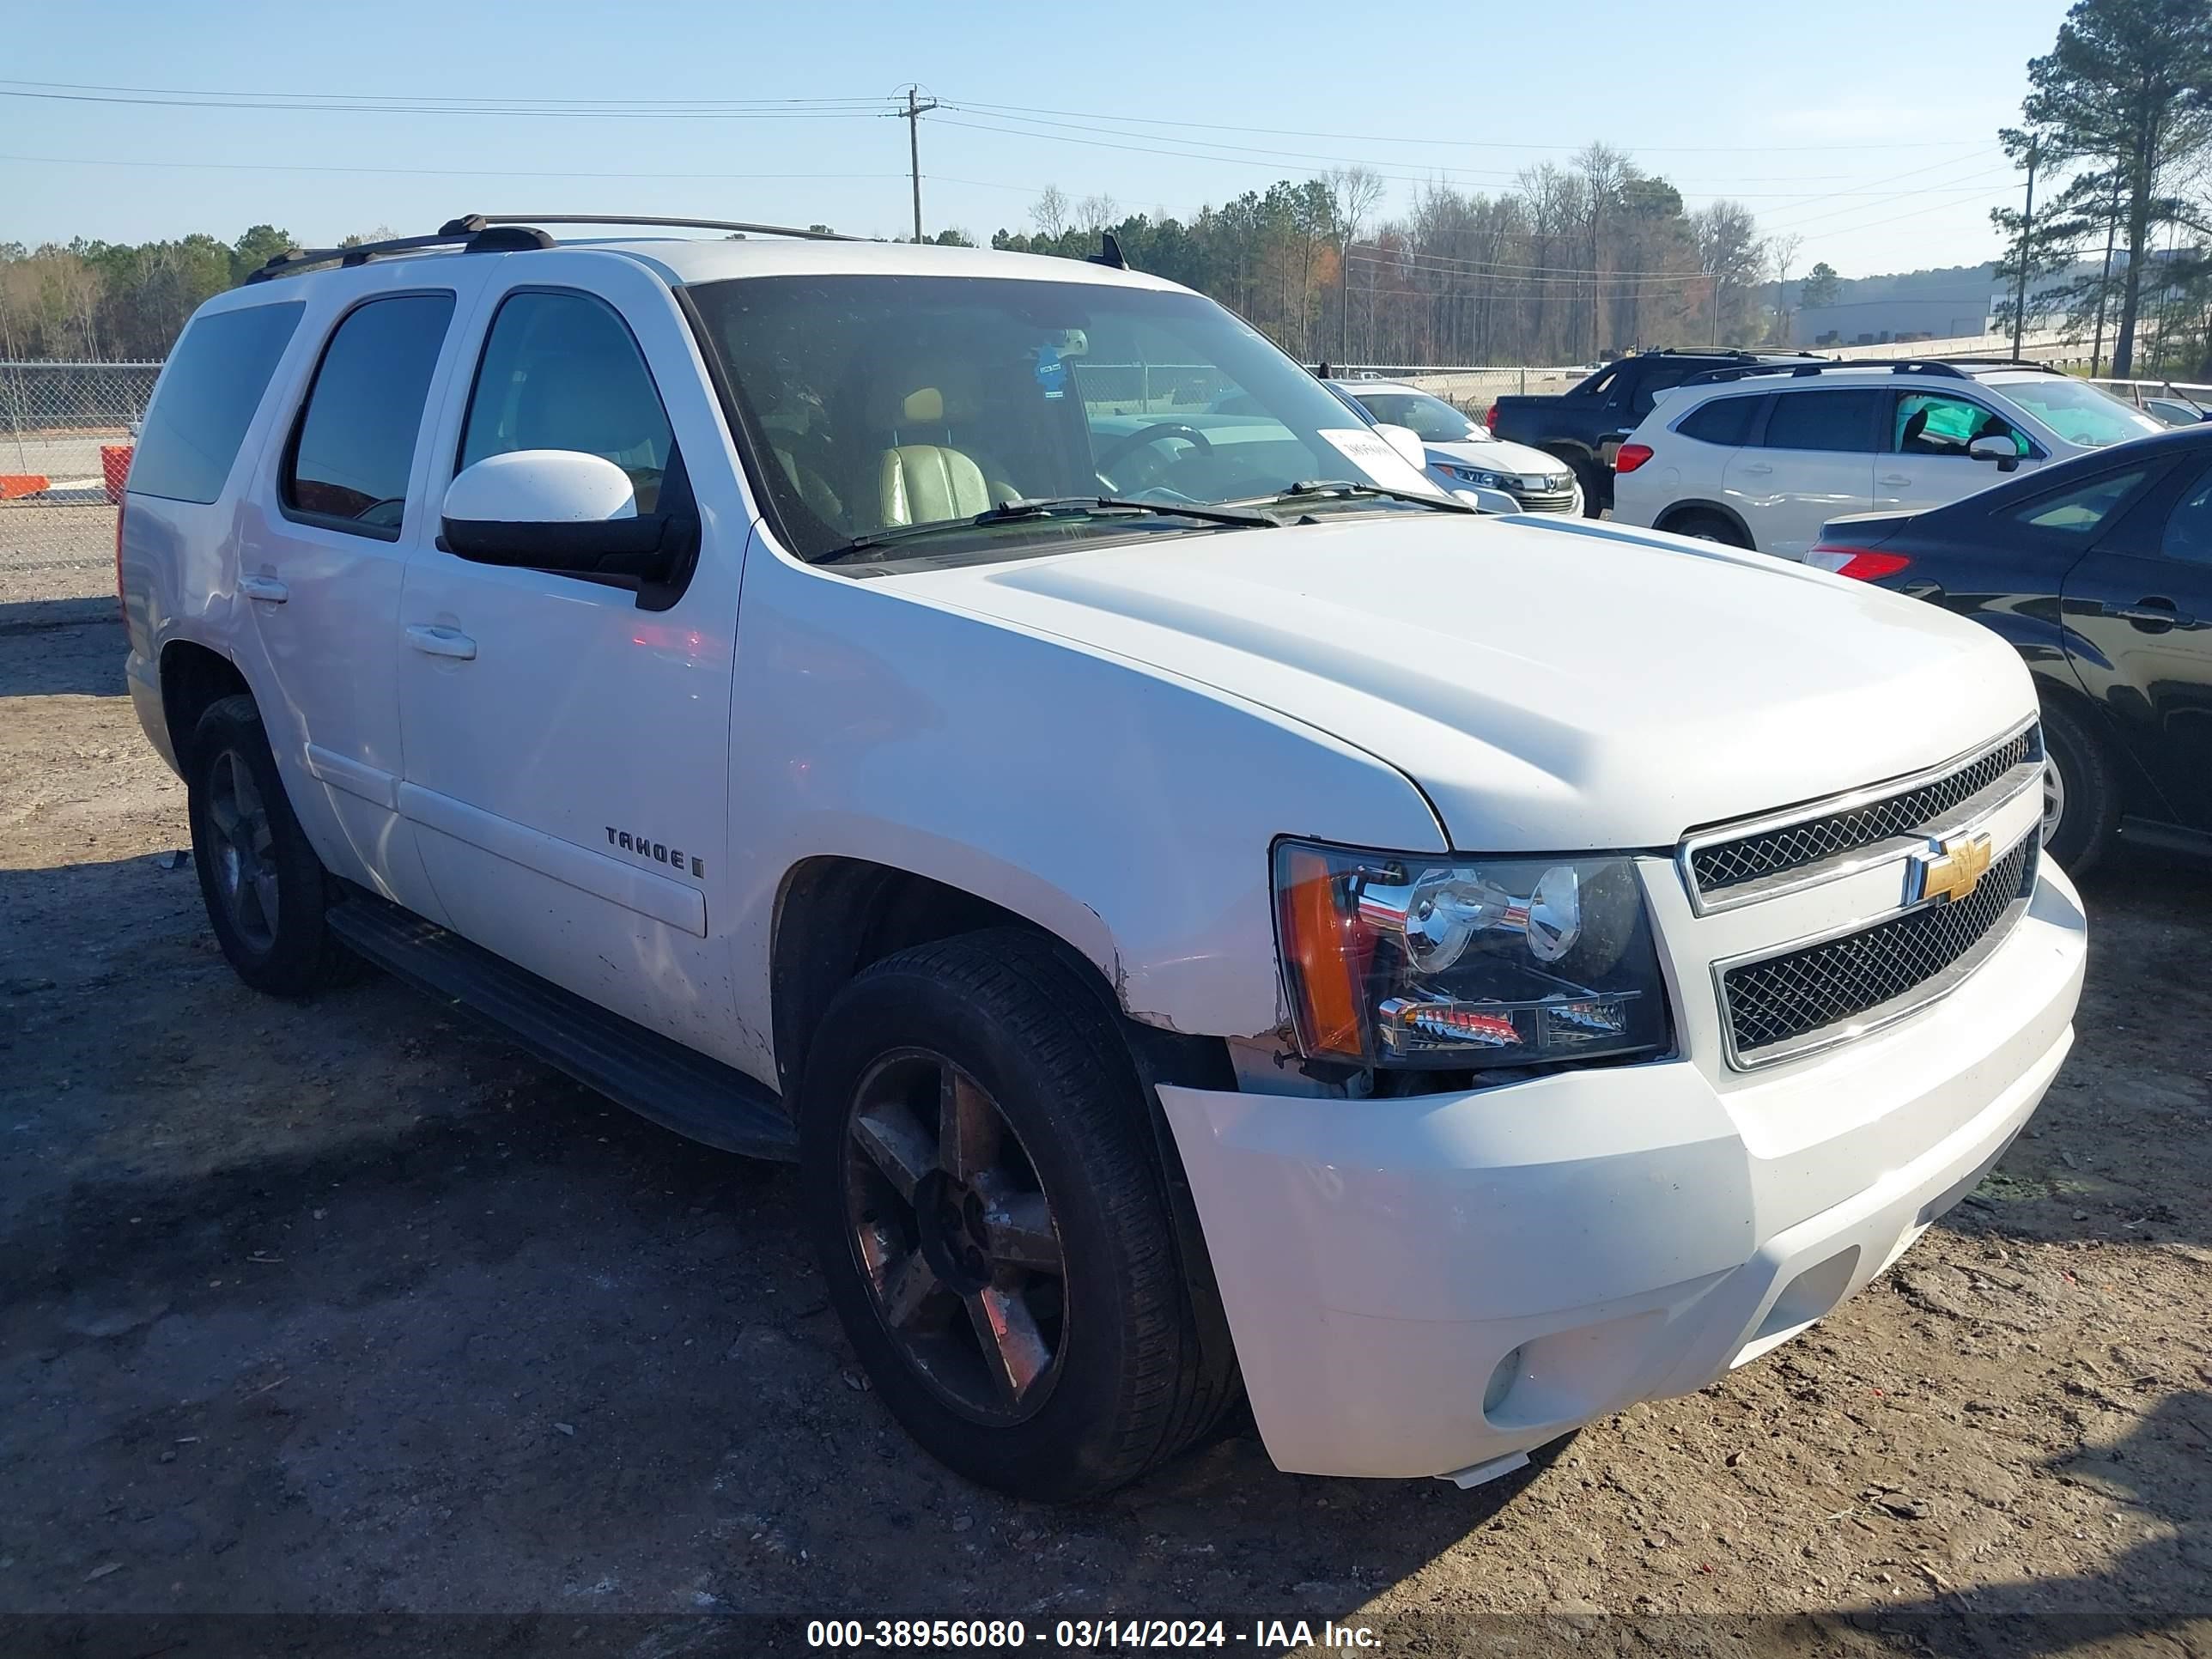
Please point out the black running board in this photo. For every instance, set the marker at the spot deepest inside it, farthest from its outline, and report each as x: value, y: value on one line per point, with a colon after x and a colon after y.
x: 677, y: 1087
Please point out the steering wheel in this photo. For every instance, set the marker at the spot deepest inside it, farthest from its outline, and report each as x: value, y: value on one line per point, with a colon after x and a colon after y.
x: 1122, y: 448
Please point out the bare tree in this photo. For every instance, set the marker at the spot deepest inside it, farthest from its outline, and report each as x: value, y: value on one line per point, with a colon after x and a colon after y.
x: 1605, y: 173
x: 1096, y: 213
x: 1729, y: 253
x: 1783, y: 251
x: 1354, y: 193
x: 1050, y: 211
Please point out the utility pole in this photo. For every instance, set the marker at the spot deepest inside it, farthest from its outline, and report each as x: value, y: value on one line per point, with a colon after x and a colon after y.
x: 915, y: 110
x: 2026, y: 240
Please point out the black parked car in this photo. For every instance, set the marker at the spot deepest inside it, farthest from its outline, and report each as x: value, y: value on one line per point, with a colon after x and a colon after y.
x: 2099, y: 571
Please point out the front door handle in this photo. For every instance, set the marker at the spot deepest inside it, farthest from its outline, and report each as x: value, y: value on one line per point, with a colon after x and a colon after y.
x: 267, y: 589
x: 439, y: 642
x: 1898, y: 478
x: 2157, y: 612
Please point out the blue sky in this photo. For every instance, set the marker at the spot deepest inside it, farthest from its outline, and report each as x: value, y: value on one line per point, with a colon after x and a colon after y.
x: 1869, y: 130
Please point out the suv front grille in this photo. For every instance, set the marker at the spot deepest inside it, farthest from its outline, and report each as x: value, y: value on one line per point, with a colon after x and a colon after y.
x: 1550, y: 500
x: 1798, y: 1001
x: 1725, y: 866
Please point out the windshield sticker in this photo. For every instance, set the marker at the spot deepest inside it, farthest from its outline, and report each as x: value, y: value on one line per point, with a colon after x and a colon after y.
x: 1051, y: 372
x: 1371, y: 453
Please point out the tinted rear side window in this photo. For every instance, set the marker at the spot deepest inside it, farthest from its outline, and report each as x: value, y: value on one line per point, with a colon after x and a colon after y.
x: 1723, y: 421
x: 213, y: 385
x: 355, y: 447
x: 1824, y: 420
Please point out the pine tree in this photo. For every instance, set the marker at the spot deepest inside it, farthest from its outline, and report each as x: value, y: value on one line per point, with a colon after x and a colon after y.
x: 2128, y: 87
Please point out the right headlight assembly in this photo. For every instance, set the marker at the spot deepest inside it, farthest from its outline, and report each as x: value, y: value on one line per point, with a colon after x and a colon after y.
x: 1398, y: 960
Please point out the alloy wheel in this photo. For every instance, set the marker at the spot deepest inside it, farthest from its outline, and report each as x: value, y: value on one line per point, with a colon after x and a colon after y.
x: 954, y: 1233
x: 245, y: 850
x: 2054, y: 799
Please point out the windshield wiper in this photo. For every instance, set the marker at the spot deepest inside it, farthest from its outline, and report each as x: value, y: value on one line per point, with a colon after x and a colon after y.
x: 1345, y: 490
x: 1055, y: 507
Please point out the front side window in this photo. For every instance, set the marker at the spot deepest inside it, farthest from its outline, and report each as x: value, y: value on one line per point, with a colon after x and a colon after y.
x: 2189, y: 526
x: 354, y: 449
x: 562, y: 371
x: 877, y: 404
x: 1430, y: 419
x: 208, y: 395
x: 1839, y: 421
x: 1935, y: 423
x: 2083, y: 509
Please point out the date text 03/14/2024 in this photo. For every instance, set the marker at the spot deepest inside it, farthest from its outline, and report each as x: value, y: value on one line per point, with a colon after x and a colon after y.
x: 1263, y: 1635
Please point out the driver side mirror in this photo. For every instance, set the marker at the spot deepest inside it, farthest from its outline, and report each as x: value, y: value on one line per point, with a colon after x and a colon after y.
x: 1407, y: 442
x: 2003, y: 451
x: 565, y: 511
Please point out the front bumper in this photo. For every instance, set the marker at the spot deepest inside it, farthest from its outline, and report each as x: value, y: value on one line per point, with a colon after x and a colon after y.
x: 1618, y: 1235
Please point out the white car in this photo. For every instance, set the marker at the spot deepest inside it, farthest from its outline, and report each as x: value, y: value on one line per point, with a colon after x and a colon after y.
x: 1461, y: 455
x: 1762, y: 456
x: 1206, y: 913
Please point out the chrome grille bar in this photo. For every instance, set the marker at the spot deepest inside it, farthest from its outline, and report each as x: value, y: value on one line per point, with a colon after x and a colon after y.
x: 1741, y: 863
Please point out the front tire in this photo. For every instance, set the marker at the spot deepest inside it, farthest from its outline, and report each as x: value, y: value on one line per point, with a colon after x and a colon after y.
x: 988, y: 1208
x: 2080, y: 796
x: 1596, y: 485
x: 265, y: 890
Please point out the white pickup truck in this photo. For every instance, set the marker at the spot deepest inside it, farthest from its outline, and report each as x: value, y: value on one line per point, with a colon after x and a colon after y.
x: 1205, y: 911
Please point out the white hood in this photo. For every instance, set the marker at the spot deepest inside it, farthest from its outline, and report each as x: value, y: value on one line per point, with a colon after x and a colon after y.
x: 1495, y: 455
x: 1552, y: 684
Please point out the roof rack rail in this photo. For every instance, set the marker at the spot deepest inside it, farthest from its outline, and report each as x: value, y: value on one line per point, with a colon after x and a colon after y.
x: 507, y: 232
x: 470, y: 235
x: 1743, y: 354
x: 739, y: 225
x: 1934, y: 366
x: 1998, y: 362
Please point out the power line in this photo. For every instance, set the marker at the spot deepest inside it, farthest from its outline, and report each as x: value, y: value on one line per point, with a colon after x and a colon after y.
x: 659, y: 112
x: 1468, y: 143
x: 1250, y: 155
x: 486, y: 172
x: 445, y: 98
x: 440, y: 172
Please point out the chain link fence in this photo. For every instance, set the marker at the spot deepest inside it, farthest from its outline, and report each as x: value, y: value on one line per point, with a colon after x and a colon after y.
x: 66, y: 433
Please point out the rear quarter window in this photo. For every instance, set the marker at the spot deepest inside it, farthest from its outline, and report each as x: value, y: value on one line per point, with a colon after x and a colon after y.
x: 213, y: 382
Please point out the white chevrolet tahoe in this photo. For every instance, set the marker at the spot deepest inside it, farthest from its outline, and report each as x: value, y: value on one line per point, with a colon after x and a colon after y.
x: 1204, y: 912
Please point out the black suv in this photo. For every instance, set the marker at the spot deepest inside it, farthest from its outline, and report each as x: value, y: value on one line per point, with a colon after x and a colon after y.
x: 1584, y: 425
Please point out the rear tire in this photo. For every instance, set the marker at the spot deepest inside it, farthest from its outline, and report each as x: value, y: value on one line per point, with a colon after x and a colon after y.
x: 1021, y: 1308
x: 1711, y: 527
x: 265, y: 890
x: 2082, y: 797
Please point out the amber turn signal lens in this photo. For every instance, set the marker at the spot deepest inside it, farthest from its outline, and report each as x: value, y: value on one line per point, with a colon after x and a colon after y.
x: 1322, y: 947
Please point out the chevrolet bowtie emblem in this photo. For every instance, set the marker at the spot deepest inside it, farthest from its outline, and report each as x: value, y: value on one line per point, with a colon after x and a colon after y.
x: 1947, y: 869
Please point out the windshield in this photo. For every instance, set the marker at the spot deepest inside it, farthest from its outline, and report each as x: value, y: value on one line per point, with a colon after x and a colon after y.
x: 1432, y: 419
x: 873, y: 402
x: 2078, y: 412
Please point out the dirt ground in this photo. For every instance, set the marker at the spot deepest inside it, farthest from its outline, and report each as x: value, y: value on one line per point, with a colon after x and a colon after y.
x: 348, y: 1308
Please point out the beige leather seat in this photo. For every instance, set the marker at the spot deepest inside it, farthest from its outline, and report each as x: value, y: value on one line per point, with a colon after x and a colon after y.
x: 917, y: 483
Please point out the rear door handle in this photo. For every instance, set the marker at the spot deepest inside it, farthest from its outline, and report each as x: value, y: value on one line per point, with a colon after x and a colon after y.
x: 1756, y: 469
x: 437, y: 642
x: 1894, y: 478
x: 2149, y: 611
x: 267, y: 589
